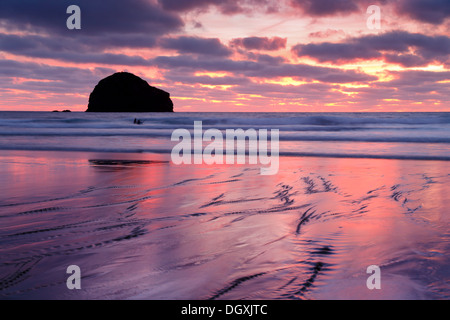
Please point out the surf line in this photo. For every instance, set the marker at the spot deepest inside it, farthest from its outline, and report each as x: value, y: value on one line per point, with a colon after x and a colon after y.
x: 231, y: 149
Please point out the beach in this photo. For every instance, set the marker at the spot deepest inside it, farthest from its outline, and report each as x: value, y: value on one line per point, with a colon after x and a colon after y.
x: 158, y: 231
x: 140, y: 227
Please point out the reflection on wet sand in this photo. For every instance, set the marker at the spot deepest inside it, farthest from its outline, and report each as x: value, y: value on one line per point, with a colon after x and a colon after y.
x: 124, y: 162
x: 159, y: 231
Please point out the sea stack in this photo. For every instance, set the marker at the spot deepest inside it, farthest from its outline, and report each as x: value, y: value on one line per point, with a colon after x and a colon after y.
x: 126, y: 92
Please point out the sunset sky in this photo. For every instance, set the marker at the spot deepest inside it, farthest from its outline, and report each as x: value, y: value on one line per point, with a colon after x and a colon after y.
x: 248, y: 55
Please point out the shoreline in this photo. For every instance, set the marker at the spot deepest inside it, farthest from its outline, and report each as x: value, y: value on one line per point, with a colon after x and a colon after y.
x: 165, y: 154
x: 152, y: 230
x: 139, y: 226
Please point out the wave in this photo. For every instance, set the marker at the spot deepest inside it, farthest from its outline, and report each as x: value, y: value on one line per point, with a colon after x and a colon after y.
x: 233, y: 119
x: 319, y: 119
x: 367, y: 156
x: 281, y: 153
x: 403, y: 133
x: 284, y: 136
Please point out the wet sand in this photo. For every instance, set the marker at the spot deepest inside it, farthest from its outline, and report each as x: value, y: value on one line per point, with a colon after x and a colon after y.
x: 140, y: 227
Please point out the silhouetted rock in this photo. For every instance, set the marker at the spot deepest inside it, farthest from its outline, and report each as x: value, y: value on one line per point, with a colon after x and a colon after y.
x: 67, y: 111
x: 125, y: 92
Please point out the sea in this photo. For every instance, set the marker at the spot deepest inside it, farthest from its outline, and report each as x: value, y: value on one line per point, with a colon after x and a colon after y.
x: 359, y: 209
x: 420, y: 136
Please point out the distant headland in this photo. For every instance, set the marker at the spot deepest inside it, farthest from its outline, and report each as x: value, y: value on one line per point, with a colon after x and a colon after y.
x: 126, y: 92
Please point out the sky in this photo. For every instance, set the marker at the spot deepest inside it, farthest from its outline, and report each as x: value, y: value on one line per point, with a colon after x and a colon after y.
x: 231, y: 55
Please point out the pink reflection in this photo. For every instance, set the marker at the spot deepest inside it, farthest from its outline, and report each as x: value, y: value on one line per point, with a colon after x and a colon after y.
x: 154, y: 230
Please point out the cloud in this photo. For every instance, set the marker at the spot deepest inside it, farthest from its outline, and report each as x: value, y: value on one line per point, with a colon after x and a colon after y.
x: 188, y: 5
x: 58, y: 79
x: 190, y: 78
x: 224, y: 6
x: 63, y: 50
x: 430, y: 11
x: 308, y: 93
x: 309, y: 73
x: 92, y: 49
x: 105, y: 25
x: 196, y: 45
x: 112, y: 30
x: 406, y: 60
x: 13, y: 42
x: 406, y: 87
x: 335, y: 52
x: 260, y: 43
x: 401, y: 47
x: 98, y: 17
x: 254, y: 69
x: 265, y: 58
x: 417, y: 78
x: 326, y: 34
x: 320, y: 8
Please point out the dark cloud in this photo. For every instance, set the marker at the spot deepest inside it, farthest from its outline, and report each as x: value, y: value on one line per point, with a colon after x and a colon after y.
x: 335, y: 52
x: 224, y: 6
x: 109, y: 26
x: 406, y: 60
x: 58, y: 79
x: 310, y: 93
x: 70, y: 50
x: 262, y: 70
x: 401, y: 47
x: 105, y: 25
x: 265, y: 58
x: 430, y: 11
x: 98, y: 17
x: 326, y: 7
x: 190, y: 78
x: 196, y: 45
x: 260, y: 43
x: 17, y: 43
x: 187, y: 5
x: 92, y: 49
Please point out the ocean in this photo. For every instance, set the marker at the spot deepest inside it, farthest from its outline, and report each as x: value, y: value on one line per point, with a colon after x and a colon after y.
x: 97, y: 191
x: 361, y: 135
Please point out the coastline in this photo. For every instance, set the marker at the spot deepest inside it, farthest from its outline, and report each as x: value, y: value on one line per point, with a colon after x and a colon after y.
x: 154, y: 230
